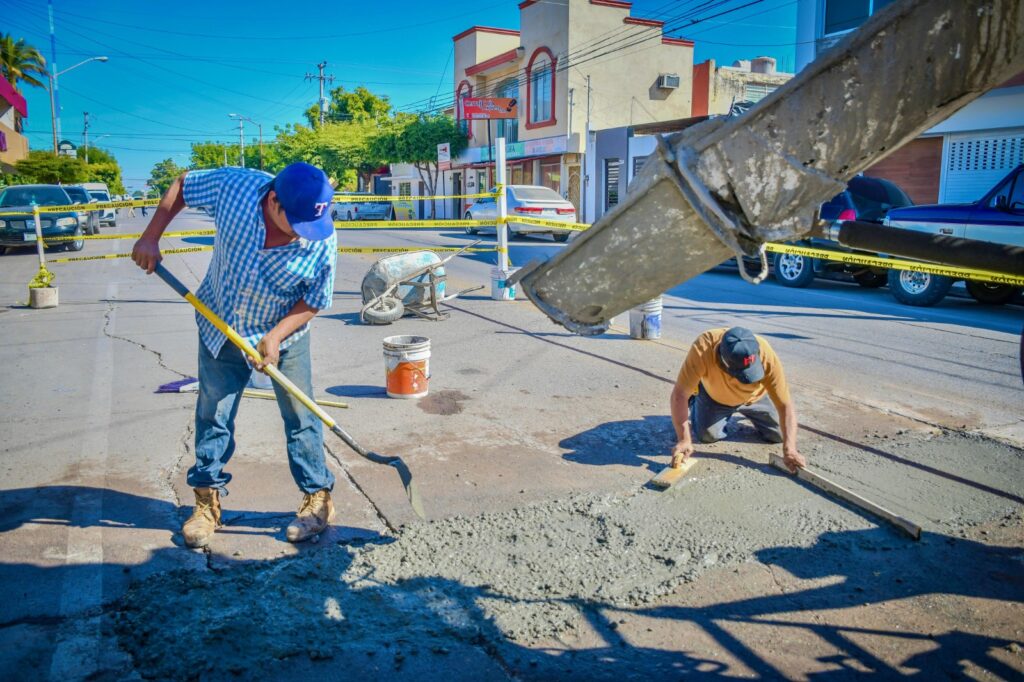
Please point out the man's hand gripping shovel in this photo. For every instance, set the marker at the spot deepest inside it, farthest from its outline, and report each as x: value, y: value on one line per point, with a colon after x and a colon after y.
x: 286, y: 384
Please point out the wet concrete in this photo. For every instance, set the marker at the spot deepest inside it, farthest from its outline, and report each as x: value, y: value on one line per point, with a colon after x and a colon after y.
x: 505, y: 581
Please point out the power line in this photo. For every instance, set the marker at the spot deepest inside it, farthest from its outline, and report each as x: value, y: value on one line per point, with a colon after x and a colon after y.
x: 593, y: 42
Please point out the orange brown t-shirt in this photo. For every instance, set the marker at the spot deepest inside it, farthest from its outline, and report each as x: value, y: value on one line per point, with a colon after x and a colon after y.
x: 702, y: 366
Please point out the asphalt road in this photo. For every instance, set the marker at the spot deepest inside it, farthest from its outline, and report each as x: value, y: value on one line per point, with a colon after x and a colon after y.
x: 955, y: 364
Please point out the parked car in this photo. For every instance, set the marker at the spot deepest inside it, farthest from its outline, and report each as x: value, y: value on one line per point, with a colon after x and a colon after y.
x: 997, y: 217
x: 866, y: 199
x: 20, y: 230
x: 89, y: 219
x: 361, y: 210
x: 531, y: 201
x: 100, y: 192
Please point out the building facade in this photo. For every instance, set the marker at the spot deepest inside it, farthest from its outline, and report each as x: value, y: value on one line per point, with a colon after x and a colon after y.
x: 13, y: 145
x: 572, y: 66
x: 720, y: 89
x: 957, y: 160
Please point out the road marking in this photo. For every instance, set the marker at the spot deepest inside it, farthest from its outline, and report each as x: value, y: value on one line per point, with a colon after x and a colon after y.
x: 77, y: 651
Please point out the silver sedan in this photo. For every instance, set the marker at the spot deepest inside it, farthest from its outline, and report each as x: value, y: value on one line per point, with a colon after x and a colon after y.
x: 526, y: 201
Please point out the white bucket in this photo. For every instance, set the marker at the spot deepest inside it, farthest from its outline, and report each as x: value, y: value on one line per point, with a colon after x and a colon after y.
x: 645, y: 320
x: 407, y: 366
x: 500, y: 292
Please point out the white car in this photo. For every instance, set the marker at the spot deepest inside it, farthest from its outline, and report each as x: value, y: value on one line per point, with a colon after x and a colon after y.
x: 99, y: 192
x: 528, y: 201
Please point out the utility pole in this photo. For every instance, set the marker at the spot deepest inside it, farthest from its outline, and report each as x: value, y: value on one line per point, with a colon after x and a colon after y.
x: 321, y: 77
x: 586, y: 155
x: 53, y: 78
x: 241, y: 140
x: 85, y: 133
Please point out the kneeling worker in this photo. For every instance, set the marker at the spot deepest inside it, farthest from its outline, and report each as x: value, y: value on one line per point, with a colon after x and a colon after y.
x: 727, y: 371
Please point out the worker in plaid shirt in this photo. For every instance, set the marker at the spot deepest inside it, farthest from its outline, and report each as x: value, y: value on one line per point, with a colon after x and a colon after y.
x: 272, y: 271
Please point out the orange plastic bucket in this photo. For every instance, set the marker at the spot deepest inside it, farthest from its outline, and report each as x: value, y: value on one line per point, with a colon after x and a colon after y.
x: 407, y: 366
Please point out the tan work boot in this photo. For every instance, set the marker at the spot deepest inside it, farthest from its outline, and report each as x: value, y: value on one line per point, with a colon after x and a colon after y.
x: 314, y: 515
x: 205, y: 518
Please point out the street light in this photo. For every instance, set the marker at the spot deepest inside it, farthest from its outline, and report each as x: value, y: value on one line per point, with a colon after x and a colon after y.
x: 55, y: 99
x: 241, y: 136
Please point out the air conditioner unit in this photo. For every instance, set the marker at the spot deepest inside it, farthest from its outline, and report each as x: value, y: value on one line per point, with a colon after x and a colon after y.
x: 668, y: 81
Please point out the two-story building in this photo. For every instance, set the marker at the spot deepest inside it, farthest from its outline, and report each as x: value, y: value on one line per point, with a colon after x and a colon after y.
x: 572, y: 66
x: 957, y: 160
x: 13, y: 145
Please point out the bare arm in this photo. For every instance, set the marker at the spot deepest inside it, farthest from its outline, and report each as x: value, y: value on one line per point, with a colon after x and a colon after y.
x: 792, y: 456
x: 270, y: 345
x: 146, y: 252
x: 680, y: 408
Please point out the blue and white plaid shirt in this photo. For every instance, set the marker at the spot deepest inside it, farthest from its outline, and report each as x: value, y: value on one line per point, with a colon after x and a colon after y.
x: 250, y: 287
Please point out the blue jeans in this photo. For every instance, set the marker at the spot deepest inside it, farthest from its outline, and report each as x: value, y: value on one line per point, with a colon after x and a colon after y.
x: 708, y: 418
x: 221, y: 381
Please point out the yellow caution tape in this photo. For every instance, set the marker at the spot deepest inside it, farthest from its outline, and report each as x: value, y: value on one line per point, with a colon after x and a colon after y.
x: 86, y: 208
x: 108, y: 256
x: 354, y: 199
x: 540, y: 222
x: 188, y: 233
x: 401, y: 249
x: 402, y: 224
x: 899, y: 264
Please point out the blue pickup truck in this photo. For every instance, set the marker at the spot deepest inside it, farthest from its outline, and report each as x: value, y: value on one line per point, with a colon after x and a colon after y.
x: 997, y: 217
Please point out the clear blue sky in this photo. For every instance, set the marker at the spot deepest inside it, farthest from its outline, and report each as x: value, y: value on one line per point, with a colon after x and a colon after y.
x: 177, y: 69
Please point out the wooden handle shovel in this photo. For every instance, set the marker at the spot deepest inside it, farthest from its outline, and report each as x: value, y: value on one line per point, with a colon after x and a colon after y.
x: 286, y: 384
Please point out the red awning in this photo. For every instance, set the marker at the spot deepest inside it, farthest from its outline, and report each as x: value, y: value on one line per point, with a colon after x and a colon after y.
x: 17, y: 101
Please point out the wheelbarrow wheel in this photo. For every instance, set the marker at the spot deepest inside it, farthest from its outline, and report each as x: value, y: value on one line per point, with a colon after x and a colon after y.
x: 386, y: 311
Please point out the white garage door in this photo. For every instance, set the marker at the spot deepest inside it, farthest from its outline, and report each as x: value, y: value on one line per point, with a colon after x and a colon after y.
x: 973, y: 162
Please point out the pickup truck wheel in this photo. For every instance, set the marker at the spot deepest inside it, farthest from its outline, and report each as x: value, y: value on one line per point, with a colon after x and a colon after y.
x: 991, y: 293
x: 470, y: 230
x: 792, y: 270
x: 870, y: 280
x: 918, y: 288
x: 561, y: 236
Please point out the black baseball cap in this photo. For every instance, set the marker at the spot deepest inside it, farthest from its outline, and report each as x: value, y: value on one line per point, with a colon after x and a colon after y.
x: 741, y: 354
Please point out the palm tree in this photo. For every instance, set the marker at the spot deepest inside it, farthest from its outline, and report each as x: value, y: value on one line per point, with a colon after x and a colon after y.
x: 19, y: 60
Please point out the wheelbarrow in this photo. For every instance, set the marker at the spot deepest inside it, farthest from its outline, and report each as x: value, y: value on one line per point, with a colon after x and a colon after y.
x: 413, y: 282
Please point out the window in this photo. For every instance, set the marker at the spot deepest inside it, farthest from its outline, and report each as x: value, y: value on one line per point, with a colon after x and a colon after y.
x: 638, y: 164
x: 1017, y: 198
x: 551, y: 175
x: 755, y: 92
x: 464, y: 90
x: 508, y: 127
x: 540, y: 93
x: 611, y: 182
x: 845, y: 15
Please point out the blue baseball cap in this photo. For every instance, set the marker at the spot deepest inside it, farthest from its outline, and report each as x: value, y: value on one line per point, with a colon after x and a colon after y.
x: 305, y: 194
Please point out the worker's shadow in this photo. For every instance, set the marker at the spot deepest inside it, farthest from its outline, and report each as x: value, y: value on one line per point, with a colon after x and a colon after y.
x: 647, y: 442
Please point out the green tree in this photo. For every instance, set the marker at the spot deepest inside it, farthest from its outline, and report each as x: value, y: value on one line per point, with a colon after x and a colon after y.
x: 409, y: 138
x: 357, y: 106
x: 163, y: 174
x: 338, y: 148
x: 44, y: 167
x: 213, y: 155
x: 18, y: 62
x: 101, y: 166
